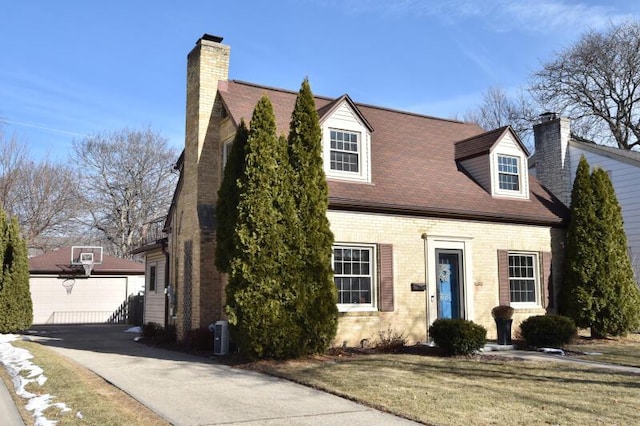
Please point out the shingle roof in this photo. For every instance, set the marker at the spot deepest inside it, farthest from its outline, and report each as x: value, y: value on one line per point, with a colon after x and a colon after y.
x: 414, y: 167
x: 58, y: 262
x: 480, y: 144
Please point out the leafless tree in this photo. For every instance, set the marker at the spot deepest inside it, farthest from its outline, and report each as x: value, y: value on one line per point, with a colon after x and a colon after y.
x: 596, y: 82
x: 498, y: 109
x: 13, y: 159
x: 126, y: 179
x: 40, y: 194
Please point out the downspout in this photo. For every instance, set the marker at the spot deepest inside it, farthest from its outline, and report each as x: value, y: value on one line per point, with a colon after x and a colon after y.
x: 426, y: 286
x: 164, y: 243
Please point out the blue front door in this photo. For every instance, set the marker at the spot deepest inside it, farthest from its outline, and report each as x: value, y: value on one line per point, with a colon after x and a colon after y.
x: 449, y: 283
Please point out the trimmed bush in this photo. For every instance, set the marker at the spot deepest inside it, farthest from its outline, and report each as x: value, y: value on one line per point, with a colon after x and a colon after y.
x: 548, y: 330
x: 151, y: 330
x: 502, y: 312
x: 458, y: 336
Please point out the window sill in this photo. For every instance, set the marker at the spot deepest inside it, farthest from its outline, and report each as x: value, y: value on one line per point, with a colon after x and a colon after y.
x: 367, y: 313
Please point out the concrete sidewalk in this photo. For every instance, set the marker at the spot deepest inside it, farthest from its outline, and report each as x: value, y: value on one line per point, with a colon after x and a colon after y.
x: 190, y: 390
x: 8, y: 411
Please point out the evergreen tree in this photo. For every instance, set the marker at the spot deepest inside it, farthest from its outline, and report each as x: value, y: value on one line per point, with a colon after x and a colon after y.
x: 576, y: 297
x: 616, y: 295
x: 318, y: 295
x: 16, y: 309
x: 228, y: 197
x: 599, y: 290
x: 261, y: 293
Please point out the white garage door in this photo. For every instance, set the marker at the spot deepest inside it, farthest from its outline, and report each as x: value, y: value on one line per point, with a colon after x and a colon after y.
x: 92, y: 300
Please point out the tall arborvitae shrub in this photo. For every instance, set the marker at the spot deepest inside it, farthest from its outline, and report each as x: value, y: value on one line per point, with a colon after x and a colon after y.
x: 228, y: 197
x: 16, y: 310
x: 577, y: 292
x: 598, y: 290
x: 317, y: 307
x: 617, y: 300
x: 261, y: 293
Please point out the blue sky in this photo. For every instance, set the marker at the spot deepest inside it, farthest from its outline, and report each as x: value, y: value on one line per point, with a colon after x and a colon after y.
x: 71, y: 68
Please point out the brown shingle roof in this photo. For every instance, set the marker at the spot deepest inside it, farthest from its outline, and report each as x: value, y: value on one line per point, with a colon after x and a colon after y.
x: 57, y: 262
x: 479, y: 145
x: 414, y: 167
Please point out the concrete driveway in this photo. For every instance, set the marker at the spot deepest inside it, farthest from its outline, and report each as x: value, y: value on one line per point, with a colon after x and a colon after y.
x: 190, y: 390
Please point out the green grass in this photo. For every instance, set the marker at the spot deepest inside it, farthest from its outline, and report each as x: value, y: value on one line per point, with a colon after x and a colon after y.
x: 474, y: 391
x: 99, y: 402
x: 620, y: 351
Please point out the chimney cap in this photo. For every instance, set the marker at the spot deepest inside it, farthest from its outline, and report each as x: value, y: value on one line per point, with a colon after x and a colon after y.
x: 210, y: 37
x: 548, y: 116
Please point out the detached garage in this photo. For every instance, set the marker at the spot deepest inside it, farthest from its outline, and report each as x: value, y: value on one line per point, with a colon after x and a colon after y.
x: 78, y: 285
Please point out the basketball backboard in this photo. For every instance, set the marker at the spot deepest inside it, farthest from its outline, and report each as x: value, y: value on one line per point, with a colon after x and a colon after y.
x: 86, y: 257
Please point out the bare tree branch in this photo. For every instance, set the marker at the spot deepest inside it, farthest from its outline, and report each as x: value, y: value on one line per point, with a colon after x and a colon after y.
x: 127, y: 180
x: 595, y: 82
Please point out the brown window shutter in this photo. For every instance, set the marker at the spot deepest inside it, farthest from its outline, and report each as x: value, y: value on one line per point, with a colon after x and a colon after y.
x: 385, y: 276
x: 504, y: 290
x: 546, y: 279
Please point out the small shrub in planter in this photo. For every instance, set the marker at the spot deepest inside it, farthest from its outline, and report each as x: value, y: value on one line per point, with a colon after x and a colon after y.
x: 502, y: 312
x: 458, y: 336
x: 548, y: 330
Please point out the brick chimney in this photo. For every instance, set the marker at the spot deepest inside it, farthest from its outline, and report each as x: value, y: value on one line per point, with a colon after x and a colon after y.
x: 198, y: 283
x: 553, y: 170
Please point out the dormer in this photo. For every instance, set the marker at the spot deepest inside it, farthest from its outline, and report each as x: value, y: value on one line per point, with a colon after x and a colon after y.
x: 497, y: 160
x: 346, y: 141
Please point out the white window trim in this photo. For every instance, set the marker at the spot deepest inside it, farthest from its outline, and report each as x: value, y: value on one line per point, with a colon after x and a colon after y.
x: 538, y: 284
x: 336, y: 122
x: 523, y: 178
x: 152, y: 265
x: 226, y: 150
x: 373, y: 306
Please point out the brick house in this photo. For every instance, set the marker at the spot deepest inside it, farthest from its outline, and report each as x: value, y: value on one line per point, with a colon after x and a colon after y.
x: 432, y: 217
x: 556, y: 160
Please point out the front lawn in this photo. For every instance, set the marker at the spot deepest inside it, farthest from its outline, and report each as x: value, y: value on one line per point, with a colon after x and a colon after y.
x: 482, y: 390
x: 621, y: 351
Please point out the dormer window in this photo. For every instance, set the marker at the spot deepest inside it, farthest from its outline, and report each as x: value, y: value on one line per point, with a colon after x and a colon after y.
x: 508, y: 173
x: 345, y: 151
x: 346, y: 142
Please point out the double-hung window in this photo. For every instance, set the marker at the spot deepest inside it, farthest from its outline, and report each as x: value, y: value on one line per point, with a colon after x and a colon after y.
x: 523, y: 277
x: 353, y: 268
x: 508, y: 173
x: 345, y: 151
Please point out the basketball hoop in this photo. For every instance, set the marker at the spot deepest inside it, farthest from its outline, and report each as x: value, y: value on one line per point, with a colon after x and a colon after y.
x: 68, y: 284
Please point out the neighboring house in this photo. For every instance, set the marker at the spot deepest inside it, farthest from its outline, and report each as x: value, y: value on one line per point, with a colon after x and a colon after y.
x: 432, y: 218
x: 156, y: 290
x: 63, y: 294
x: 556, y: 161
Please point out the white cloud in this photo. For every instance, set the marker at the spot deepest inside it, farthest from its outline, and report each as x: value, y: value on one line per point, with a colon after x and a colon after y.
x: 533, y: 16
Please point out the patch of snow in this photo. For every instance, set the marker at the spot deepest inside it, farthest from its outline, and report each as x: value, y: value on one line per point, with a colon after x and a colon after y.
x: 16, y: 361
x: 137, y: 338
x: 554, y: 351
x: 136, y: 329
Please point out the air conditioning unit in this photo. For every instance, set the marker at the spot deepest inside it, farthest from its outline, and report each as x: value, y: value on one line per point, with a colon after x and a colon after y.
x: 221, y: 338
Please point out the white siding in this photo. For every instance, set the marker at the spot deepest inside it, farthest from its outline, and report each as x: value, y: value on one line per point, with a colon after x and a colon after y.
x: 625, y: 178
x: 92, y: 300
x: 508, y: 146
x: 344, y: 118
x: 478, y: 167
x: 154, y: 301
